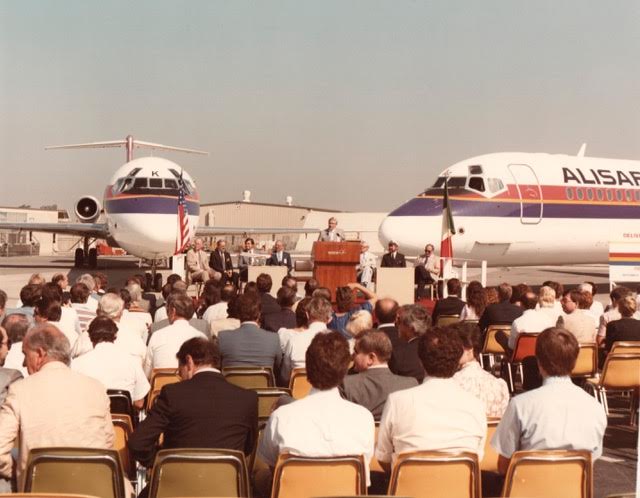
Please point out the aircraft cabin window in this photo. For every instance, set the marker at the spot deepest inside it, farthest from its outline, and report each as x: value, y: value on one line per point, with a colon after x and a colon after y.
x: 569, y: 193
x: 629, y: 195
x: 609, y: 194
x: 579, y: 194
x: 155, y: 182
x: 169, y: 183
x: 590, y: 194
x: 600, y: 194
x: 637, y: 195
x: 476, y: 183
x: 619, y: 195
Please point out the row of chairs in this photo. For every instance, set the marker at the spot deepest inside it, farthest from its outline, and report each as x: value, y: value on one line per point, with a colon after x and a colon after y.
x: 224, y: 473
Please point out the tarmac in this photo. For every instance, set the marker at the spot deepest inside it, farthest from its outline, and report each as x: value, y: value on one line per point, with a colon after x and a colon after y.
x: 615, y: 472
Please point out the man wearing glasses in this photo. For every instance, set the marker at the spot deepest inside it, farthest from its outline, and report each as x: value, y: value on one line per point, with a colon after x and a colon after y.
x: 427, y: 270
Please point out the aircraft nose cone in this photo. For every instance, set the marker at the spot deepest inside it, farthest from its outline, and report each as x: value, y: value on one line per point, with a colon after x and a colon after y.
x: 388, y: 230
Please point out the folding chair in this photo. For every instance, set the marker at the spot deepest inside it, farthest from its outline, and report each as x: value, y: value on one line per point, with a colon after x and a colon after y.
x: 160, y: 377
x: 75, y: 470
x: 249, y: 377
x: 267, y: 398
x: 299, y: 385
x: 489, y: 461
x: 621, y: 372
x: 425, y: 474
x: 549, y: 473
x: 199, y: 473
x: 525, y: 347
x: 305, y: 477
x: 121, y: 403
x: 625, y: 347
x: 444, y: 320
x: 587, y: 362
x: 122, y: 427
x: 491, y: 348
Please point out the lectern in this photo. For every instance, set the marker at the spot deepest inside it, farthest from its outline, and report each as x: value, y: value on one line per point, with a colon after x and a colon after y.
x: 335, y: 263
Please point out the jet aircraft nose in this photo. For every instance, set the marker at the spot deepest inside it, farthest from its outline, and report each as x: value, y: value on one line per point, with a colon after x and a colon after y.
x: 389, y: 230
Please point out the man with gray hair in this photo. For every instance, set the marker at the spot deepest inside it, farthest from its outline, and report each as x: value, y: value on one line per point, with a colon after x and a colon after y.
x: 412, y: 322
x: 88, y: 280
x: 197, y: 261
x: 54, y: 406
x: 128, y: 338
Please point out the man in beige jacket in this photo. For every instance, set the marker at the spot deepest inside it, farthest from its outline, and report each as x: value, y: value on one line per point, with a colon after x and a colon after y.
x: 54, y: 406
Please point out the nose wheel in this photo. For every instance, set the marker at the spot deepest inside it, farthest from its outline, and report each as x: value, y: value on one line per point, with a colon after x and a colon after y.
x: 154, y: 279
x: 86, y: 256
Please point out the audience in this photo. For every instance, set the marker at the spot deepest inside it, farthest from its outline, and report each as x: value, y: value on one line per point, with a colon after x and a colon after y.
x: 16, y: 326
x: 576, y: 320
x: 231, y: 322
x: 452, y: 304
x: 612, y: 313
x: 302, y: 323
x: 267, y: 301
x: 625, y: 329
x: 412, y: 322
x: 476, y: 302
x: 285, y: 317
x: 502, y: 313
x: 128, y: 337
x: 7, y: 375
x: 345, y: 306
x: 80, y: 302
x: 385, y: 312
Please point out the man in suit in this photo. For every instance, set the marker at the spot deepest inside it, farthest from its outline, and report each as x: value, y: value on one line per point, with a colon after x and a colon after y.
x: 413, y: 322
x: 374, y: 382
x: 202, y: 411
x: 7, y: 375
x: 250, y: 345
x: 285, y: 318
x: 279, y: 257
x: 332, y: 233
x: 267, y: 301
x: 220, y: 261
x: 452, y: 304
x: 393, y: 259
x: 54, y: 406
x: 197, y: 266
x: 385, y: 312
x: 502, y: 312
x: 246, y: 260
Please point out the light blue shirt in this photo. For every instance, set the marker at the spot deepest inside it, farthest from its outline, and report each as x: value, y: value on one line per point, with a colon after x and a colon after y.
x: 556, y: 416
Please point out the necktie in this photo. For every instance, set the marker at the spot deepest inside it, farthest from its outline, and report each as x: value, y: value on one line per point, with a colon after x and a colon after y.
x: 224, y: 266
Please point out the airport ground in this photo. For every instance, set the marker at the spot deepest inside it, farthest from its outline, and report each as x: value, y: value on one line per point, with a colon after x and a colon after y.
x: 615, y: 472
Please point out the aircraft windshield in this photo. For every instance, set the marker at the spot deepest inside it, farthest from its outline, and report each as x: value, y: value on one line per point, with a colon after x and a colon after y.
x: 454, y: 182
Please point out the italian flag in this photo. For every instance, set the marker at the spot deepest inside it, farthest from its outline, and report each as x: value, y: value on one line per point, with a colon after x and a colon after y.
x: 448, y: 230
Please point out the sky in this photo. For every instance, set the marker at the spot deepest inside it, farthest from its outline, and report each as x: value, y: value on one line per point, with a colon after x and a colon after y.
x: 349, y: 105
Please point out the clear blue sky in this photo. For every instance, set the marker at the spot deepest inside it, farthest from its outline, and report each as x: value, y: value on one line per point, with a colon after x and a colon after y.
x: 353, y: 105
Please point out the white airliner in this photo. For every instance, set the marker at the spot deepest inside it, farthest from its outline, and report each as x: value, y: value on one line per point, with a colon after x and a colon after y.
x: 518, y: 209
x: 140, y: 206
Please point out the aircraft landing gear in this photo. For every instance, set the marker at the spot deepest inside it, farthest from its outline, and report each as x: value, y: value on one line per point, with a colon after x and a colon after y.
x: 154, y: 279
x: 85, y: 255
x: 78, y: 258
x: 92, y: 259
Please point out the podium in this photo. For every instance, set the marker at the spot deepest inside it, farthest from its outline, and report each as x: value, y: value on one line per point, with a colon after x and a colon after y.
x: 335, y: 263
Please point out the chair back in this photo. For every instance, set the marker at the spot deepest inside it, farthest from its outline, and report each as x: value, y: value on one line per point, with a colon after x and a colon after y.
x: 75, y: 470
x: 249, y: 377
x: 490, y: 459
x: 491, y: 346
x: 121, y: 403
x: 549, y: 473
x: 525, y: 346
x: 587, y: 362
x: 621, y: 371
x: 160, y: 378
x: 199, y: 473
x: 305, y: 477
x: 423, y: 474
x: 267, y: 398
x: 122, y: 428
x: 444, y: 320
x: 625, y: 347
x: 299, y: 385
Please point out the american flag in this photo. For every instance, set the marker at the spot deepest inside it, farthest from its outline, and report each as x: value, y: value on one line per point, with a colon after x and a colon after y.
x: 448, y: 230
x: 183, y: 236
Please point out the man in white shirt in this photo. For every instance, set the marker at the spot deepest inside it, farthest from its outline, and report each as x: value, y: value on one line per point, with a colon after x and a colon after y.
x: 50, y: 311
x: 427, y: 270
x: 295, y: 349
x: 321, y: 424
x: 558, y: 415
x: 165, y: 343
x: 128, y: 338
x: 366, y: 267
x: 332, y: 233
x: 436, y: 415
x: 532, y: 321
x: 109, y: 364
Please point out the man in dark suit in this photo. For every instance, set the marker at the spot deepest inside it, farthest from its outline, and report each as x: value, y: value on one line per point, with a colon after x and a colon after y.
x: 279, y: 257
x: 267, y: 301
x: 452, y: 304
x: 393, y: 259
x: 501, y: 313
x: 385, y: 312
x: 250, y: 345
x: 220, y: 261
x: 202, y: 411
x: 374, y: 382
x: 285, y: 318
x: 413, y: 322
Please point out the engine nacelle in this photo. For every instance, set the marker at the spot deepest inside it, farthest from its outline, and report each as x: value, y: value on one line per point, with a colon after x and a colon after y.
x: 88, y: 209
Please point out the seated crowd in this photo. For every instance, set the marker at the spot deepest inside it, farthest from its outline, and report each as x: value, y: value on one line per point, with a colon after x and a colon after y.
x: 368, y: 360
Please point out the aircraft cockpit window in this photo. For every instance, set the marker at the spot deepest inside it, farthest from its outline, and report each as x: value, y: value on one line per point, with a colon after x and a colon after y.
x: 188, y: 186
x: 169, y: 183
x: 476, y: 183
x: 155, y: 182
x: 495, y: 185
x: 475, y: 170
x: 453, y: 182
x: 127, y: 184
x: 140, y: 183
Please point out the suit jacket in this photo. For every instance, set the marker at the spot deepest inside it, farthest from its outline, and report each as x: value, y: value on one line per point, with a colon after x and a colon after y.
x: 203, y: 412
x: 389, y: 262
x: 325, y: 235
x: 53, y: 407
x: 7, y: 377
x: 502, y: 313
x: 286, y: 260
x: 392, y: 334
x: 405, y: 360
x: 625, y: 329
x: 285, y: 318
x: 215, y: 261
x: 197, y: 261
x: 451, y: 305
x: 372, y: 387
x: 268, y: 304
x: 250, y: 345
